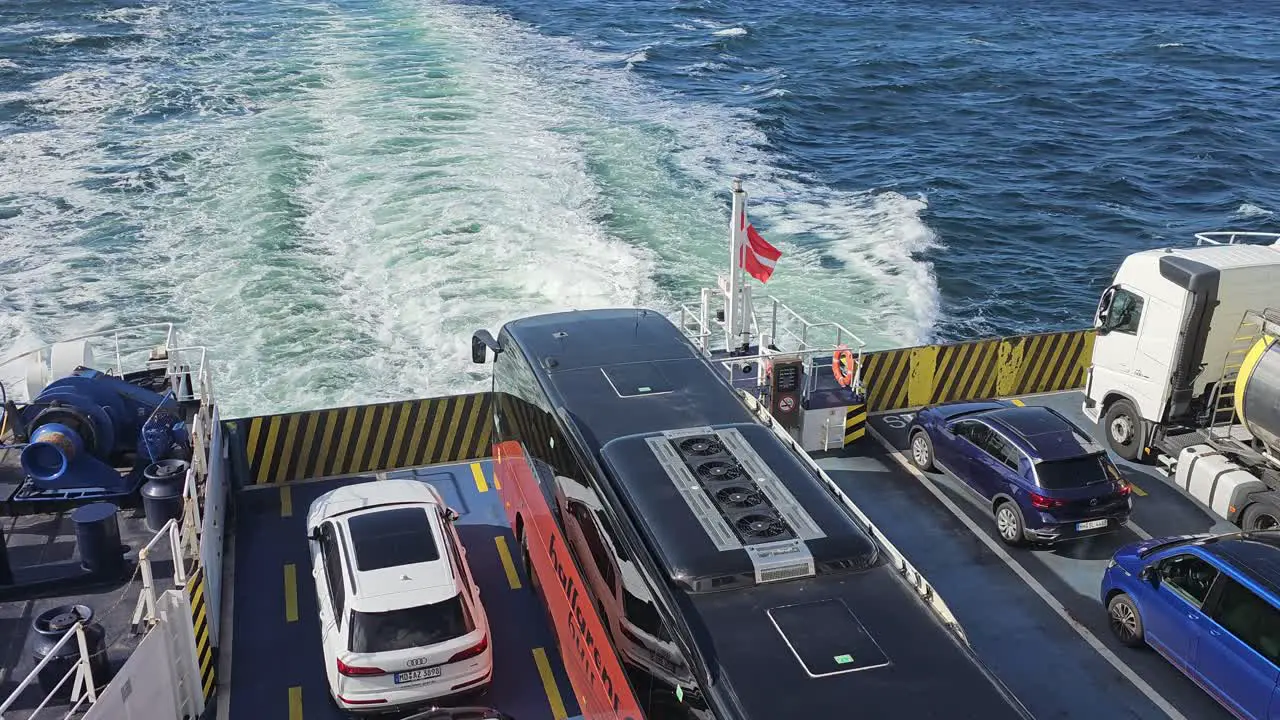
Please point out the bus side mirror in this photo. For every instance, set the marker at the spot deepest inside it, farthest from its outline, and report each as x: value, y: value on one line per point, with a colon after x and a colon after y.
x: 480, y: 341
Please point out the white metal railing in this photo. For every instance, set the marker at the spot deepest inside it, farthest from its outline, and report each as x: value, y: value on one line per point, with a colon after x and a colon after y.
x: 843, y: 336
x: 83, y: 687
x: 783, y: 323
x: 130, y: 349
x: 174, y: 531
x: 900, y: 562
x: 1231, y: 237
x: 183, y: 535
x: 810, y: 357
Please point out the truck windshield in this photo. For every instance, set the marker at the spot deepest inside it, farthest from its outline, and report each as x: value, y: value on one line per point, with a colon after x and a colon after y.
x: 1072, y: 472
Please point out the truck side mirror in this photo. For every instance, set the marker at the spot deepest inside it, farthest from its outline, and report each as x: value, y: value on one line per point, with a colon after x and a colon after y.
x: 1104, y: 309
x: 480, y: 340
x: 451, y: 515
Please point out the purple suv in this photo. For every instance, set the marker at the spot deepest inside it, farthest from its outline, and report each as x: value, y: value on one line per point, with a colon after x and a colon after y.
x: 1043, y: 477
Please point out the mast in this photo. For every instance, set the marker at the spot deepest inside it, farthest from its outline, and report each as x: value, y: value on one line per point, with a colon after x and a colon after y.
x: 737, y: 327
x: 732, y: 308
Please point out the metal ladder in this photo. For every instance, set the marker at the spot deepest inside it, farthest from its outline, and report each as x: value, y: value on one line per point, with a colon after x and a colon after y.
x: 1252, y: 327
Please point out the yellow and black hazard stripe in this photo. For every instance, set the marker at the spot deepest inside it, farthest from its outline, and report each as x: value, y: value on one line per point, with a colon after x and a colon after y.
x: 1048, y: 362
x: 200, y: 622
x: 886, y: 374
x: 365, y: 438
x: 965, y: 371
x: 855, y: 423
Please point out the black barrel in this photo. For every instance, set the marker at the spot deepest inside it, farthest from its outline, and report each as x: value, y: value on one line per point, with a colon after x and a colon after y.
x: 49, y: 628
x: 162, y: 492
x: 98, y: 539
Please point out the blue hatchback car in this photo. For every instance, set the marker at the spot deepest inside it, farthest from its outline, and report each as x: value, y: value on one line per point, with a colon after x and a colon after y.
x: 1043, y: 477
x: 1211, y: 606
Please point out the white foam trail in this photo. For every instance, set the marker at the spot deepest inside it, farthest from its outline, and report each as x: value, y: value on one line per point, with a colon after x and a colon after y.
x: 731, y: 32
x: 350, y: 208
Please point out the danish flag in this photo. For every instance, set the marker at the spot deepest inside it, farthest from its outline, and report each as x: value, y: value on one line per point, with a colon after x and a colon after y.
x: 757, y: 256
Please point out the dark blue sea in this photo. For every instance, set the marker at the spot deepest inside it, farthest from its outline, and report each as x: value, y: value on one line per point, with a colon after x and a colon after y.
x: 333, y: 195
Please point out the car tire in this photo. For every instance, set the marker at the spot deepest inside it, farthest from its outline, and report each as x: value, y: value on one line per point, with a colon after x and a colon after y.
x: 920, y: 447
x: 1009, y: 524
x: 1124, y: 620
x: 1125, y: 430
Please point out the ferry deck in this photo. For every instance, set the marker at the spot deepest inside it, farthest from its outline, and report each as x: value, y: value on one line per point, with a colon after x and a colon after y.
x: 249, y: 646
x: 1032, y: 614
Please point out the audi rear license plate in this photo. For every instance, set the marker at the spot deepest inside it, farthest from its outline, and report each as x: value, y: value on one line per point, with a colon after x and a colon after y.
x: 416, y: 675
x: 1092, y: 524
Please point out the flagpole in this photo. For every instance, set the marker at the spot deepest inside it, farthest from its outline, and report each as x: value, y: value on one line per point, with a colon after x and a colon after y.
x: 736, y: 236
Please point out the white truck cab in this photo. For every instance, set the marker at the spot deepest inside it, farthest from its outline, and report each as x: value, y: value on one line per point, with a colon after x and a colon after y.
x: 1165, y: 327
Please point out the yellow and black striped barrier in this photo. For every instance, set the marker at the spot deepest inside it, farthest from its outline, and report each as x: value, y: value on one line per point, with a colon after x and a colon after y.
x: 995, y: 367
x: 855, y: 423
x: 363, y: 438
x: 200, y: 621
x: 886, y: 374
x: 1046, y: 362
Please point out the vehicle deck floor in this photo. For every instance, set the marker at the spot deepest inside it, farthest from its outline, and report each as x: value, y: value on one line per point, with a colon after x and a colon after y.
x: 1007, y: 608
x: 276, y: 668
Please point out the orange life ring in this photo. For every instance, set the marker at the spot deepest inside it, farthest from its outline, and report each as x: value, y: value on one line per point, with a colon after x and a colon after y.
x: 844, y: 366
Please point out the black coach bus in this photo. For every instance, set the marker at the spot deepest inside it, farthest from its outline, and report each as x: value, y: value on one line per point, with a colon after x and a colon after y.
x: 693, y: 566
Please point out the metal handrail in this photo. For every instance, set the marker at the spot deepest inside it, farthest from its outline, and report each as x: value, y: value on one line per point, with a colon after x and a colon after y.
x: 175, y: 357
x: 808, y: 356
x: 904, y: 567
x: 841, y: 331
x: 82, y: 669
x: 1232, y: 237
x: 699, y: 320
x: 146, y: 606
x: 114, y: 333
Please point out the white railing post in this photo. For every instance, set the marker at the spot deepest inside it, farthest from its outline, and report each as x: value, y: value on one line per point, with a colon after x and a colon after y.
x: 81, y: 669
x: 85, y: 676
x: 146, y: 605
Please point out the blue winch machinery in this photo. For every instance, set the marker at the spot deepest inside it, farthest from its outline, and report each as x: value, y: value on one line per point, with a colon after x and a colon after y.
x: 90, y: 436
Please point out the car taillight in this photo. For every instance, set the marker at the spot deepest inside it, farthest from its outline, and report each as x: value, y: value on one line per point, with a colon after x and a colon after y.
x: 352, y: 671
x: 472, y: 651
x: 1125, y: 488
x: 1044, y: 503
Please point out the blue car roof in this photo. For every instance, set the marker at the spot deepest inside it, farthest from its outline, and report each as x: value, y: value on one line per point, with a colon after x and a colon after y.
x: 1043, y: 432
x: 1255, y: 554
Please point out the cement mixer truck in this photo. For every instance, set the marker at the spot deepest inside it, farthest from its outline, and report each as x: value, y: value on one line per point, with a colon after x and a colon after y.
x: 1185, y: 373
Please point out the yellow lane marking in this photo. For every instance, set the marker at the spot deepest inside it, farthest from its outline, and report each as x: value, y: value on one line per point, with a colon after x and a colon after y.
x: 291, y: 592
x: 295, y: 702
x: 513, y: 578
x: 478, y: 473
x: 1018, y: 402
x: 286, y: 501
x: 1137, y: 490
x: 549, y: 684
